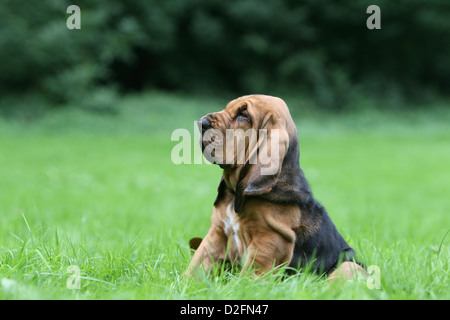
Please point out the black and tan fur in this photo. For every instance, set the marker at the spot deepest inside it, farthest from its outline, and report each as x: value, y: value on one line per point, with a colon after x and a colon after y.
x: 266, y: 221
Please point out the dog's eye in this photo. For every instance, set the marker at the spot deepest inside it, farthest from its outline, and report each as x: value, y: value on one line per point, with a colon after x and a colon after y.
x: 242, y: 118
x: 243, y: 115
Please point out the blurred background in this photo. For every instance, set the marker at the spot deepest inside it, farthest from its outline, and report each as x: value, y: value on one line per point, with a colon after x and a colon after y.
x: 86, y: 117
x: 318, y: 50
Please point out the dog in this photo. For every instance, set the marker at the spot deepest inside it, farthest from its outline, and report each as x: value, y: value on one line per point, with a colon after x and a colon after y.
x: 265, y: 214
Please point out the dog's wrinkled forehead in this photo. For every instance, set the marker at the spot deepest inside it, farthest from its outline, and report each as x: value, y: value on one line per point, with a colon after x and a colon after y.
x: 258, y: 107
x: 261, y: 103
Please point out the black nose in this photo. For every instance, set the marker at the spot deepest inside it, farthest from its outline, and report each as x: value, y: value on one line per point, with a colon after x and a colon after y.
x: 204, y: 124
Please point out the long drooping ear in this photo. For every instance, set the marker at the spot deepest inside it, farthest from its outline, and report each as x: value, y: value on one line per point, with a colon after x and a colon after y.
x: 292, y: 186
x: 221, y: 190
x: 262, y: 169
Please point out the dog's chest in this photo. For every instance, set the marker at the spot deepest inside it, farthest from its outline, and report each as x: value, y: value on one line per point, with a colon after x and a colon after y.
x: 232, y: 226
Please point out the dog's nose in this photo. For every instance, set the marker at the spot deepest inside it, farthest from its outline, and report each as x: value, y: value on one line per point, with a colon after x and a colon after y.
x: 204, y: 123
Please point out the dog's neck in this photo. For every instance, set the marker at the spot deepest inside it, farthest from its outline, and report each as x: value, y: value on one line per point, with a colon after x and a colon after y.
x: 231, y: 177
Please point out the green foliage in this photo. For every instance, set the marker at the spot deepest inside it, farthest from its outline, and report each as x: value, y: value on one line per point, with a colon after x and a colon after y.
x: 317, y: 48
x: 101, y: 193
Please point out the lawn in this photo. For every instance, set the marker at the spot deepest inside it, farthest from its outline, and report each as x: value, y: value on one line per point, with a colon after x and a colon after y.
x: 101, y: 193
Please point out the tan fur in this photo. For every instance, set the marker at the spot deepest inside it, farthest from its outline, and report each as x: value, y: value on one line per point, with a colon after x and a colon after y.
x: 346, y: 270
x: 265, y: 237
x: 258, y: 232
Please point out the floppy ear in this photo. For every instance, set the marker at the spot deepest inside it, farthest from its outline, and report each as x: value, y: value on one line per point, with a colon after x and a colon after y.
x: 262, y: 170
x: 220, y: 191
x: 291, y: 186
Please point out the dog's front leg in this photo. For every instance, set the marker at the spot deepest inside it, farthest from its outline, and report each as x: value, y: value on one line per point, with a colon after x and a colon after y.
x: 266, y: 252
x: 211, y: 249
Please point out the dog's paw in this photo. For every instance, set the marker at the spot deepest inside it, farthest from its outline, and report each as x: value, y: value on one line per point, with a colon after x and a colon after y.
x: 347, y: 270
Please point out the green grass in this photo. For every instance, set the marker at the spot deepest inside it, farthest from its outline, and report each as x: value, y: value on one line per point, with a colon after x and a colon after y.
x: 101, y: 193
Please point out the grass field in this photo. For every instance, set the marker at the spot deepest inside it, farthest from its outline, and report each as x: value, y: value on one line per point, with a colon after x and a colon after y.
x: 101, y: 193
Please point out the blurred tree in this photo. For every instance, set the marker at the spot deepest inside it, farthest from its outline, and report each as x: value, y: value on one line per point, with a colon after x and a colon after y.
x: 316, y: 47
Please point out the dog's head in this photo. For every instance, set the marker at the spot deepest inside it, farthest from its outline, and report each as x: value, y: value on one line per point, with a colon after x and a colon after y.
x: 256, y: 138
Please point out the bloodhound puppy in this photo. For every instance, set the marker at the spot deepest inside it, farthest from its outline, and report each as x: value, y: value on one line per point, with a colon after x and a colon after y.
x: 265, y: 214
